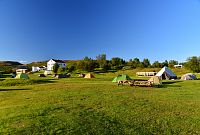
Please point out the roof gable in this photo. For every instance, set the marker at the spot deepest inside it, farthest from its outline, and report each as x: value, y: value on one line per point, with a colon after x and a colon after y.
x: 58, y: 61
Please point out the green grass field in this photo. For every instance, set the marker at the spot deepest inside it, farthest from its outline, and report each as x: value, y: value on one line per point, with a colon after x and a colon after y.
x: 97, y: 106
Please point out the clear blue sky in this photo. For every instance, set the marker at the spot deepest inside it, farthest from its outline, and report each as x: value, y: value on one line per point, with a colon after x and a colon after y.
x: 34, y: 30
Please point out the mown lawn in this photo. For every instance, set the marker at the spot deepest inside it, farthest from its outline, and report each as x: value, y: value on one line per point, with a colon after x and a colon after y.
x: 97, y: 106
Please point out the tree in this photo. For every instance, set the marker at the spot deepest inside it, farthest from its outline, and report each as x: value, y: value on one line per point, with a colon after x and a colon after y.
x: 129, y: 63
x: 71, y: 67
x: 101, y: 57
x: 156, y: 64
x: 193, y: 63
x: 101, y: 60
x: 116, y: 61
x: 90, y: 65
x: 87, y: 58
x: 55, y: 68
x: 165, y: 63
x: 146, y: 63
x: 172, y: 63
x: 136, y: 63
x: 81, y: 65
x: 87, y: 65
x: 61, y: 70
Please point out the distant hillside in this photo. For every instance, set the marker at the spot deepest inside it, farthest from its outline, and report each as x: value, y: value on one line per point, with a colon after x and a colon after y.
x: 38, y: 64
x: 9, y: 63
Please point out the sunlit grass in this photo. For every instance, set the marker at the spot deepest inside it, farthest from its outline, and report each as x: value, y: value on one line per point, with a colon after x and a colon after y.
x: 98, y: 106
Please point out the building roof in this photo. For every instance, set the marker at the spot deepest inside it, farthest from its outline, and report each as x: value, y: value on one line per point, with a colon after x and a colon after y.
x: 21, y: 67
x: 58, y: 61
x: 42, y: 67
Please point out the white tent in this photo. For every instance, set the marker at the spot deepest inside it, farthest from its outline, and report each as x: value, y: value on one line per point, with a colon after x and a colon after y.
x: 189, y: 76
x: 166, y: 73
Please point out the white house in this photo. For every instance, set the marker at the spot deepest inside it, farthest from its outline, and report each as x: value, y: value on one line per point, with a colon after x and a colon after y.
x: 52, y: 62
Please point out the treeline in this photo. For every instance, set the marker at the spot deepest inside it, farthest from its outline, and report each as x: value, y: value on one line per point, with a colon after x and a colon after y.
x: 101, y: 64
x: 193, y: 63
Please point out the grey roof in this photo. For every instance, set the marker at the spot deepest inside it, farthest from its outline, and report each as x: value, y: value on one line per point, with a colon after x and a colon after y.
x: 59, y: 61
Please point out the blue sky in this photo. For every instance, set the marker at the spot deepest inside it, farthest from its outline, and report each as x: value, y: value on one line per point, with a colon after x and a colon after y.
x: 34, y: 30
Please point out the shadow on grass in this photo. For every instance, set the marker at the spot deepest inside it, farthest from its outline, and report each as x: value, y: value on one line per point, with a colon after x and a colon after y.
x: 166, y: 86
x: 41, y: 81
x: 22, y: 82
x: 13, y: 89
x: 99, y: 123
x: 171, y: 82
x: 92, y: 122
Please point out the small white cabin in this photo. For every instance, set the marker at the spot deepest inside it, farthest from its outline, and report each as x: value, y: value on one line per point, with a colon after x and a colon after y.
x: 19, y: 71
x: 146, y: 73
x: 178, y: 66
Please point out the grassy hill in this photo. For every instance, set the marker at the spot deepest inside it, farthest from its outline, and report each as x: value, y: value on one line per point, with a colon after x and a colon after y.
x: 97, y: 106
x: 9, y: 63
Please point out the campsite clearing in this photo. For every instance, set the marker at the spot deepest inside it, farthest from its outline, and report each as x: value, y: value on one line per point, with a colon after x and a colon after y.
x: 98, y: 106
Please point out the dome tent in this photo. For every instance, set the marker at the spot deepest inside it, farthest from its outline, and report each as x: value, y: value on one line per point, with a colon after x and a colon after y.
x: 81, y: 75
x: 41, y: 75
x: 22, y: 76
x: 122, y: 77
x: 89, y: 75
x: 189, y: 76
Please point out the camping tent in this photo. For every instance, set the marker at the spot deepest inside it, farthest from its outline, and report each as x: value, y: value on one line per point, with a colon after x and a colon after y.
x: 89, y: 75
x: 122, y: 77
x: 189, y: 76
x: 155, y: 80
x: 41, y: 75
x: 81, y: 75
x: 57, y: 76
x: 22, y: 76
x: 166, y: 73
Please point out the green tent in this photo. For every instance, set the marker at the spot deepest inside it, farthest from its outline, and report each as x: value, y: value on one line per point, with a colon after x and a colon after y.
x: 22, y: 76
x: 122, y: 77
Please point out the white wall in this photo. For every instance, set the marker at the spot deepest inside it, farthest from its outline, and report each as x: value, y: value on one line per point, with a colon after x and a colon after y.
x: 34, y: 69
x: 51, y: 63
